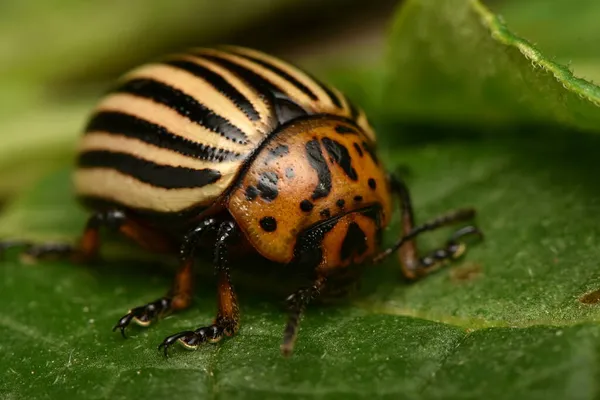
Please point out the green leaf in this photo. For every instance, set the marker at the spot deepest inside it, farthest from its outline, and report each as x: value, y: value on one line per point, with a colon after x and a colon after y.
x: 510, y: 309
x: 540, y: 21
x: 516, y: 318
x: 456, y: 61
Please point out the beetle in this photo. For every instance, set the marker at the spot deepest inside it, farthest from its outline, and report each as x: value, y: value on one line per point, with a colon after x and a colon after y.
x: 235, y: 150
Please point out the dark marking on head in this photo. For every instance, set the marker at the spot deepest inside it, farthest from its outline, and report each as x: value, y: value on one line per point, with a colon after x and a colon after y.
x: 341, y: 156
x: 358, y: 149
x: 289, y: 172
x: 371, y: 151
x: 372, y: 183
x: 308, y: 252
x: 340, y: 203
x: 358, y: 198
x: 267, y: 185
x: 269, y: 224
x: 251, y: 193
x: 374, y: 212
x: 355, y: 242
x: 318, y: 163
x: 325, y: 213
x: 277, y: 152
x: 343, y: 129
x: 306, y: 205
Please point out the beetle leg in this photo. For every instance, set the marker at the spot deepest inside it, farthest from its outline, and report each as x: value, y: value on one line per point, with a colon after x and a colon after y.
x: 89, y: 244
x: 179, y: 296
x: 297, y: 303
x: 227, y: 321
x: 414, y: 266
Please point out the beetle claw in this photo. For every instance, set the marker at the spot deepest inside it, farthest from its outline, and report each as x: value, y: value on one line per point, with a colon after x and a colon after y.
x: 123, y: 323
x: 183, y: 337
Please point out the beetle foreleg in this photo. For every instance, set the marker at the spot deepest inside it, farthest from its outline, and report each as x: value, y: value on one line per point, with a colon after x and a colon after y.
x: 414, y: 266
x: 297, y: 303
x: 179, y: 296
x: 227, y: 321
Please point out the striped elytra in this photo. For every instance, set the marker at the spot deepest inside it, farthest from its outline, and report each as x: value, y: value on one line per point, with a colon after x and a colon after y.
x: 172, y: 135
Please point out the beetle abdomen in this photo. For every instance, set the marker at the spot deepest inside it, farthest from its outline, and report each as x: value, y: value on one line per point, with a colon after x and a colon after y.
x: 172, y: 135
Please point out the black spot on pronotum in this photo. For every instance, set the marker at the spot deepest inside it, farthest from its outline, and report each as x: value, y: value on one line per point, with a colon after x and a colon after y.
x: 306, y: 205
x: 344, y: 129
x: 325, y: 213
x: 289, y: 172
x: 355, y: 242
x: 358, y: 149
x: 318, y: 163
x: 267, y: 185
x: 277, y: 152
x: 251, y: 193
x: 372, y: 183
x: 340, y: 155
x: 340, y: 203
x: 358, y: 198
x: 269, y: 224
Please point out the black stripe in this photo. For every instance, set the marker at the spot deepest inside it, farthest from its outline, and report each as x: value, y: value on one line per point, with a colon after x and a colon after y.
x: 302, y: 87
x: 127, y: 125
x: 185, y: 105
x: 318, y: 163
x: 148, y: 172
x: 220, y: 84
x: 353, y: 110
x: 334, y: 98
x: 260, y: 84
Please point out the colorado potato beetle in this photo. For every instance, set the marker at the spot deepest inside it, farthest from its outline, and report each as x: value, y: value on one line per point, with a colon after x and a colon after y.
x: 228, y: 145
